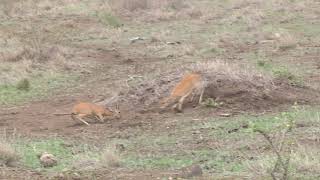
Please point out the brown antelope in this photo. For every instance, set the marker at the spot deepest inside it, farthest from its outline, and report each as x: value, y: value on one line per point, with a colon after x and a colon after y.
x: 89, y: 110
x: 192, y: 83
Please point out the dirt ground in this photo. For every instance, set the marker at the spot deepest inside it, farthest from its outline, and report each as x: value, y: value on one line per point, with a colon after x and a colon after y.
x: 37, y: 119
x: 114, y: 62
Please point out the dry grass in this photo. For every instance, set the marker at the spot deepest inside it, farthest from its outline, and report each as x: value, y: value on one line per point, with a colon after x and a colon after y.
x: 32, y: 52
x: 31, y: 8
x: 306, y: 159
x: 33, y: 60
x: 30, y: 46
x: 107, y: 158
x: 218, y: 70
x: 8, y: 156
x: 110, y: 158
x: 302, y: 160
x: 153, y: 10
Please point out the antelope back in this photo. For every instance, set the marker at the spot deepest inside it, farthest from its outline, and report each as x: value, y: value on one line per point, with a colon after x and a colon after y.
x: 82, y: 108
x: 188, y: 83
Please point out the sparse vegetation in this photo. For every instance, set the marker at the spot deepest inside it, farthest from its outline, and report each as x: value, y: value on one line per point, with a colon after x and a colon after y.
x: 8, y: 155
x: 71, y: 156
x: 41, y: 87
x: 284, y: 73
x: 110, y: 158
x: 283, y: 148
x: 258, y: 57
x: 30, y: 151
x: 281, y: 72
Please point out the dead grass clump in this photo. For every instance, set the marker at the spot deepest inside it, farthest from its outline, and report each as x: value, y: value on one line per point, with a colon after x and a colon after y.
x: 285, y: 40
x: 109, y: 158
x: 8, y: 156
x: 218, y: 76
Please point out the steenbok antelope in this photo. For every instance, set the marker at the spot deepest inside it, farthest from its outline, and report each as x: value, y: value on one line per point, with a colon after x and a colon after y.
x: 192, y: 83
x: 89, y: 110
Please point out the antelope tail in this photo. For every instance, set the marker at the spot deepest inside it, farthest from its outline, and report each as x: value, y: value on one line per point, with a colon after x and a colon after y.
x: 62, y: 114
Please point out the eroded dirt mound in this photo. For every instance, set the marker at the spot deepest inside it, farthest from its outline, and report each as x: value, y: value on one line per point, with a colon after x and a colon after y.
x: 236, y: 87
x: 246, y: 96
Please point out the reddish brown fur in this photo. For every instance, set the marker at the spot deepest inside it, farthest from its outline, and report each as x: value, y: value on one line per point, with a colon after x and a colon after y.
x: 84, y: 109
x: 189, y: 83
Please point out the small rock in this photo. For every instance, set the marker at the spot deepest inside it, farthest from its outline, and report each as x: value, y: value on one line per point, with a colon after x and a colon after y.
x: 170, y: 56
x: 134, y: 39
x: 173, y: 43
x: 48, y: 160
x: 225, y: 115
x: 191, y: 171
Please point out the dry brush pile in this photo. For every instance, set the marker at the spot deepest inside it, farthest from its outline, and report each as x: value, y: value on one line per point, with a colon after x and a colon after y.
x: 238, y: 87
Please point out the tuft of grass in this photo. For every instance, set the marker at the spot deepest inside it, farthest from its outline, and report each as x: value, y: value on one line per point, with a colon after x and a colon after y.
x: 23, y: 84
x: 109, y: 20
x: 110, y: 158
x: 8, y: 155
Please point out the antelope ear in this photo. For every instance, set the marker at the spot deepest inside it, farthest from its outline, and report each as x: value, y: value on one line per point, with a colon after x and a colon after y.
x: 107, y: 108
